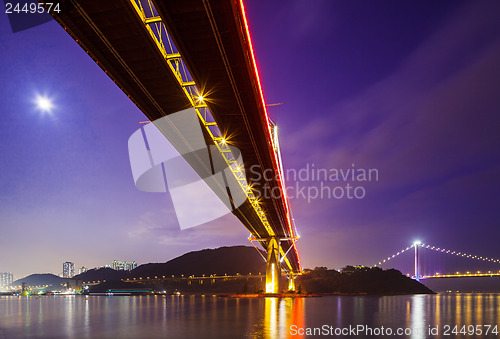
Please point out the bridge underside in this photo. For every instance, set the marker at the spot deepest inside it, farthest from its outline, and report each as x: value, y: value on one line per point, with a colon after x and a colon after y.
x: 211, y: 36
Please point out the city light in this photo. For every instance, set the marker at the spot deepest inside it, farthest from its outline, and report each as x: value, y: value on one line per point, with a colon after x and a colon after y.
x: 459, y: 254
x: 393, y: 256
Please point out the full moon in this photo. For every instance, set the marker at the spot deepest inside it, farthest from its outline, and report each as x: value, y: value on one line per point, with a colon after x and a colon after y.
x: 44, y: 104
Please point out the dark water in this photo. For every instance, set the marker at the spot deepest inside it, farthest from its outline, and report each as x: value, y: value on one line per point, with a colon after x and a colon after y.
x: 471, y: 285
x: 213, y: 317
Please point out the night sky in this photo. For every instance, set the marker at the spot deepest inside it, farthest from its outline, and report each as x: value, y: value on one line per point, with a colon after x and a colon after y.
x: 410, y: 89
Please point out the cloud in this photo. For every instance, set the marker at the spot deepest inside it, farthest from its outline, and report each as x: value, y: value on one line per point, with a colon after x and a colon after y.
x: 306, y: 20
x: 151, y: 227
x: 435, y: 115
x: 431, y: 129
x: 150, y: 223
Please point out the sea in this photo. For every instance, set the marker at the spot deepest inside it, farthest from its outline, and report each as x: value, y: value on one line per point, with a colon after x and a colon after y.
x: 442, y: 315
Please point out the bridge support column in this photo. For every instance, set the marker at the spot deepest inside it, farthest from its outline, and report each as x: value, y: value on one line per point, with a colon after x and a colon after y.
x: 417, y: 273
x: 273, y: 268
x: 291, y: 282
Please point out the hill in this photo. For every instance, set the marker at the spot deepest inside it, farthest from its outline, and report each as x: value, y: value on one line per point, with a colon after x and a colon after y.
x: 102, y: 274
x: 219, y: 261
x: 40, y: 280
x: 359, y: 281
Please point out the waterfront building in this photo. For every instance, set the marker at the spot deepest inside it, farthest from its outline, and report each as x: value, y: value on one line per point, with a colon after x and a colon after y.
x: 6, y: 279
x: 68, y: 269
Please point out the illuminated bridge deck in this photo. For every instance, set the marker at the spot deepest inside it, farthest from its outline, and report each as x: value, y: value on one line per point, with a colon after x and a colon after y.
x: 212, y: 37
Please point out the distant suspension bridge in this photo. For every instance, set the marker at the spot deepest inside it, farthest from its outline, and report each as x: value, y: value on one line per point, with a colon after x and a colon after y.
x: 456, y: 265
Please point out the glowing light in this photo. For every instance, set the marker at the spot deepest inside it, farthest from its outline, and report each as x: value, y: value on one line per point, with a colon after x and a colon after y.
x: 223, y: 141
x: 270, y: 286
x: 200, y: 97
x: 44, y: 104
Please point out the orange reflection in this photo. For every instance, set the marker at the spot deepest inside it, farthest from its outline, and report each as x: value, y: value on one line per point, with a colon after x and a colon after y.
x: 458, y: 308
x: 468, y: 309
x: 280, y: 314
x: 498, y: 313
x: 479, y: 309
x: 297, y: 316
x: 438, y: 309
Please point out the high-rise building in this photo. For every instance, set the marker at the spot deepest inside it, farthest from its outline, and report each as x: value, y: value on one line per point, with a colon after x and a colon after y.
x: 118, y: 265
x: 123, y: 265
x: 105, y: 266
x: 68, y: 269
x: 6, y: 279
x: 82, y: 270
x: 131, y: 265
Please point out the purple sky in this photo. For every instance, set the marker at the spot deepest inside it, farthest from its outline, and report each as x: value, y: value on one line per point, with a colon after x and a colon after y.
x: 408, y: 89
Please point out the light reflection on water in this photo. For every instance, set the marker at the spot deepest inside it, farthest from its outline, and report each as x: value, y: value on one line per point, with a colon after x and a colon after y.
x: 208, y: 316
x: 418, y: 316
